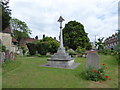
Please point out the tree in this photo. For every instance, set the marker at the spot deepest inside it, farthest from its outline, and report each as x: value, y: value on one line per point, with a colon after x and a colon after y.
x: 19, y: 35
x: 5, y: 14
x: 19, y: 25
x: 20, y: 29
x: 100, y: 44
x: 74, y: 35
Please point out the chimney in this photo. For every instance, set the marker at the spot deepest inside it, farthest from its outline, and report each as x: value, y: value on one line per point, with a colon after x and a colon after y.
x: 36, y: 37
x: 55, y: 38
x: 43, y: 35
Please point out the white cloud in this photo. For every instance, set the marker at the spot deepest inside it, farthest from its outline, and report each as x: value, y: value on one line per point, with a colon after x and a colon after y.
x: 98, y: 16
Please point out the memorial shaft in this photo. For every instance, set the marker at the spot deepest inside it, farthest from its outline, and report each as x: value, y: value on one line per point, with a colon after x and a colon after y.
x: 61, y: 36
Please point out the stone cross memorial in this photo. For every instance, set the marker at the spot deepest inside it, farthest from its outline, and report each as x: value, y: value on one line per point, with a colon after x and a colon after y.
x: 92, y: 59
x: 61, y: 59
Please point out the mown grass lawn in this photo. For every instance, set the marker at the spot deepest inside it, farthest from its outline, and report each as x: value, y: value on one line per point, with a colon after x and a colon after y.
x: 26, y: 72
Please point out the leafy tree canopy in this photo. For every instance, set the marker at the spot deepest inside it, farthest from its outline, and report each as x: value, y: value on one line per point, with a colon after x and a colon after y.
x: 20, y: 29
x: 74, y: 35
x: 100, y: 44
x: 5, y: 13
x: 19, y: 25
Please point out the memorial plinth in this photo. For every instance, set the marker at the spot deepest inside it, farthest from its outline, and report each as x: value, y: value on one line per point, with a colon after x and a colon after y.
x: 61, y: 59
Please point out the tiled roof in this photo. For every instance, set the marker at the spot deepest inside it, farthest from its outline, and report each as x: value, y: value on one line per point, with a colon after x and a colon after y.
x: 7, y: 30
x: 23, y: 41
x: 28, y: 39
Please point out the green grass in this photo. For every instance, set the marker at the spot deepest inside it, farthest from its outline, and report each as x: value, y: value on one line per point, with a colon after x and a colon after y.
x: 26, y: 72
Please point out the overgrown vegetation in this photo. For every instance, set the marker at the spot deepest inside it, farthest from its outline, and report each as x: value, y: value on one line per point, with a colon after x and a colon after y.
x: 96, y: 74
x: 47, y: 44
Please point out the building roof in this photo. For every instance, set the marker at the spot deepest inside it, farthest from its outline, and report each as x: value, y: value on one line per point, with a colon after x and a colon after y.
x: 7, y: 30
x: 28, y: 39
x: 23, y: 41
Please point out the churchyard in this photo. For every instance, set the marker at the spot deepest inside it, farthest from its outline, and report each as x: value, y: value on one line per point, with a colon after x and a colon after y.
x: 26, y: 72
x: 69, y: 60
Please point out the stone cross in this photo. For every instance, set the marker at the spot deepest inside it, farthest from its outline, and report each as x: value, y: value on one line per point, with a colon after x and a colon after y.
x: 92, y: 60
x: 61, y: 35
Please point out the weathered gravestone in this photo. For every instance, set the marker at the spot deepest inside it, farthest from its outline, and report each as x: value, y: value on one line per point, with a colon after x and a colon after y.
x: 20, y: 52
x: 2, y: 57
x: 11, y: 56
x: 7, y: 55
x: 92, y: 60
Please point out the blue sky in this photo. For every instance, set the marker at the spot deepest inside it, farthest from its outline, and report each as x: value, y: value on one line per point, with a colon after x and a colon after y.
x: 99, y: 17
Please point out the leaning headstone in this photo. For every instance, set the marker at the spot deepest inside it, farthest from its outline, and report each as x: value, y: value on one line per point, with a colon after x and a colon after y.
x: 21, y: 52
x: 2, y: 57
x: 92, y: 60
x: 11, y: 55
x: 7, y: 56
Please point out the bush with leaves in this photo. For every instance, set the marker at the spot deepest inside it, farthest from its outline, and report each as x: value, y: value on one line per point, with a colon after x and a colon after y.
x: 96, y: 74
x: 80, y: 50
x: 42, y: 48
x: 32, y: 48
x: 105, y: 51
x: 53, y: 44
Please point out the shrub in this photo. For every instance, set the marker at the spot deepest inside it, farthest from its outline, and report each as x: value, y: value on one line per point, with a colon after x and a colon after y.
x: 105, y: 51
x: 38, y: 55
x: 96, y: 74
x: 32, y: 48
x: 80, y: 50
x: 53, y: 44
x: 23, y: 49
x: 42, y: 48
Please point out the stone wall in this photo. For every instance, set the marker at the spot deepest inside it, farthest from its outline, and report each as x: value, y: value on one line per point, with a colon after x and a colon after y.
x: 7, y: 41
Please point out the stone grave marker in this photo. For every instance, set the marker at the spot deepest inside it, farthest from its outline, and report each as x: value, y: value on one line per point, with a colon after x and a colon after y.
x: 11, y: 56
x: 2, y: 57
x: 92, y: 59
x: 21, y: 52
x: 7, y: 55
